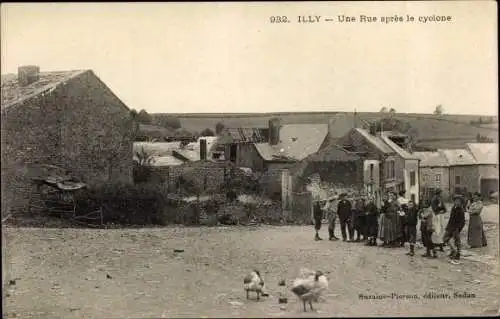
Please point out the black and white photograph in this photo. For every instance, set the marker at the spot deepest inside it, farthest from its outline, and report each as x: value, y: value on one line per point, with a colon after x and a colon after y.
x: 249, y: 159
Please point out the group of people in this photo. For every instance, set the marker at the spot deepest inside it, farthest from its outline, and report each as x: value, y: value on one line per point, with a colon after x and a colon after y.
x: 395, y: 222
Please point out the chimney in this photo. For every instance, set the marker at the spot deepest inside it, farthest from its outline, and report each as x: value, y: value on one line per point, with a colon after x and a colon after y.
x: 274, y: 131
x: 28, y: 74
x: 203, y: 149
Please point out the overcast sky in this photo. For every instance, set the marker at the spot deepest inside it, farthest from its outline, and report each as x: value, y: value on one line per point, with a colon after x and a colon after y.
x: 208, y: 57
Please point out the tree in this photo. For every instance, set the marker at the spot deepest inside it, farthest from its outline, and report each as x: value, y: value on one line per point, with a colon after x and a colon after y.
x: 143, y: 117
x: 483, y: 139
x: 219, y: 127
x: 439, y: 110
x: 143, y: 158
x: 142, y: 166
x: 168, y: 122
x: 383, y: 110
x: 207, y: 132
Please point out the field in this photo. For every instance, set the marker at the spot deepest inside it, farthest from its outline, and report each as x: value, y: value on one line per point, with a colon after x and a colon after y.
x: 118, y: 273
x: 447, y: 131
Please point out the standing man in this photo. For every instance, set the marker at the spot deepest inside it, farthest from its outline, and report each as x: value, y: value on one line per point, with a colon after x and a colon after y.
x: 318, y: 217
x: 331, y: 214
x: 344, y: 212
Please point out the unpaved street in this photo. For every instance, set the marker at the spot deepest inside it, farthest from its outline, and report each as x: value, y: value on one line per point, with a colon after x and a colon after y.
x: 82, y: 273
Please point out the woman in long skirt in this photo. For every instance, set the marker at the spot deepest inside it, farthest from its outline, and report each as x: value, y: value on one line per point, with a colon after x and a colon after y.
x: 390, y: 224
x: 476, y: 237
x: 381, y: 219
x: 439, y: 228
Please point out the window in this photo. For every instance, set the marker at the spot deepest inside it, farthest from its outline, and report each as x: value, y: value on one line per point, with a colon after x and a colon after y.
x: 457, y: 179
x: 438, y: 178
x: 390, y: 171
x: 413, y: 198
x: 233, y: 149
x: 371, y: 172
x: 413, y: 177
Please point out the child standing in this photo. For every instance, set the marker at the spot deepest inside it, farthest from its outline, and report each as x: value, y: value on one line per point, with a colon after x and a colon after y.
x: 427, y: 228
x: 455, y: 225
x: 411, y: 226
x: 318, y: 217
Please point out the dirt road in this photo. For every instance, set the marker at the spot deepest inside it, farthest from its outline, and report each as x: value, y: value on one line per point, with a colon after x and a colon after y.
x: 81, y: 273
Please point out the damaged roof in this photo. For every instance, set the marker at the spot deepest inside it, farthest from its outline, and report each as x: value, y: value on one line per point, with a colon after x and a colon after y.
x: 297, y: 141
x: 484, y: 153
x: 13, y: 93
x: 244, y: 135
x: 375, y: 141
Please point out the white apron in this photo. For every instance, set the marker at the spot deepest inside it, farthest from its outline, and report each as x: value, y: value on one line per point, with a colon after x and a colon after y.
x: 438, y: 234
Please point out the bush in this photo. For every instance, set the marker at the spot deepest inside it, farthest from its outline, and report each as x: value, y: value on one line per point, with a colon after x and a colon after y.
x: 130, y: 204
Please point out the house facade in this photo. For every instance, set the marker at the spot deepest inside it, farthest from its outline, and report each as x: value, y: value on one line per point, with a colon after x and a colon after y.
x: 406, y: 162
x: 434, y: 174
x: 69, y: 119
x: 486, y: 157
x: 377, y: 157
x: 277, y: 147
x: 463, y: 171
x: 388, y: 166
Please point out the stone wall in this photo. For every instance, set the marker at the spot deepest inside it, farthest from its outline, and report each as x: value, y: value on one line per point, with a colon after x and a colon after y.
x: 80, y: 126
x: 469, y: 179
x: 96, y: 131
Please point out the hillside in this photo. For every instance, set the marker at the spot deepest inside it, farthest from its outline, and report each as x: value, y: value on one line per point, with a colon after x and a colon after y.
x: 446, y: 131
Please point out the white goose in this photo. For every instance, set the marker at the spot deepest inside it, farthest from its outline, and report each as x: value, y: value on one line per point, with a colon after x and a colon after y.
x: 310, y: 286
x: 253, y: 282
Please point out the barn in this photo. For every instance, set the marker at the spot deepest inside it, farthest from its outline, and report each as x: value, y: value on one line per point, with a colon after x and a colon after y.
x: 69, y: 119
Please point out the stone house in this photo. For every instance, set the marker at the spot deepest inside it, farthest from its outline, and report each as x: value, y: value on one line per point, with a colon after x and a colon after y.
x: 434, y: 174
x: 408, y: 162
x: 275, y: 147
x: 486, y: 157
x: 389, y: 165
x: 463, y: 171
x: 69, y: 119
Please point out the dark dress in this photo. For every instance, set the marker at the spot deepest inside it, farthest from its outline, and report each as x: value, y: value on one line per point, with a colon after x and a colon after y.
x: 391, y: 223
x: 382, y: 220
x: 371, y: 220
x: 476, y: 237
x: 357, y: 217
